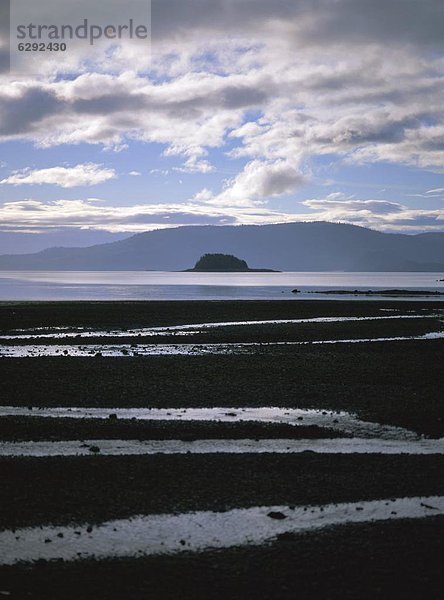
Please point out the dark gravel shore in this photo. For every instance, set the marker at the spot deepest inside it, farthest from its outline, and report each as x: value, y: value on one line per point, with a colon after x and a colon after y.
x: 16, y: 429
x: 266, y: 333
x: 396, y: 383
x: 163, y: 313
x: 97, y: 488
x: 389, y: 561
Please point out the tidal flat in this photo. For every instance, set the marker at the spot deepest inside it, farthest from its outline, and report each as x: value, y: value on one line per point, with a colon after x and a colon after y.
x: 393, y: 385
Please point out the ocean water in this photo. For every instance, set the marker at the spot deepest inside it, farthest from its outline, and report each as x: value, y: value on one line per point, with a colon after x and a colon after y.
x: 159, y: 285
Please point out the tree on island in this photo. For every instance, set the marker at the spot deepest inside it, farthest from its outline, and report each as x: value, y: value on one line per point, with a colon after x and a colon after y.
x: 225, y: 263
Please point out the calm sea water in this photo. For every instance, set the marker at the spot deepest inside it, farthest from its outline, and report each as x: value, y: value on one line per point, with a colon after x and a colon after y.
x: 157, y: 285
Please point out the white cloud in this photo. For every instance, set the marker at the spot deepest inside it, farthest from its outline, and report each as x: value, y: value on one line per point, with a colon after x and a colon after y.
x: 381, y: 103
x: 354, y: 207
x: 135, y: 173
x: 34, y: 215
x: 195, y: 165
x: 163, y: 172
x: 375, y: 214
x: 258, y: 181
x: 275, y: 84
x: 66, y: 177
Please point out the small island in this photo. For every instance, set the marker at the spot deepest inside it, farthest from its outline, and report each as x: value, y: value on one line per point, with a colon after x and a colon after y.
x: 224, y: 263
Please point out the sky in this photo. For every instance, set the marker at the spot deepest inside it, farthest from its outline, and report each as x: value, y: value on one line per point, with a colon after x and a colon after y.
x: 237, y: 112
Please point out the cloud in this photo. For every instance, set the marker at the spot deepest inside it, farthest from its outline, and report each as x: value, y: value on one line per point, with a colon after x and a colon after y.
x: 93, y: 214
x: 66, y: 177
x: 34, y: 215
x: 195, y: 165
x: 276, y: 84
x: 375, y: 214
x: 258, y: 181
x: 23, y: 109
x: 355, y: 207
x: 320, y: 22
x: 381, y: 103
x: 163, y: 172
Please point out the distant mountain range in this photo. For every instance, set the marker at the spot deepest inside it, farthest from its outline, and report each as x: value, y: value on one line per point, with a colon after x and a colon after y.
x: 12, y: 242
x: 286, y: 247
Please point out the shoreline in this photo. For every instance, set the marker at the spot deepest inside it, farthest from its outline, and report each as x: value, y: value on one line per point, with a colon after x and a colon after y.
x: 88, y: 440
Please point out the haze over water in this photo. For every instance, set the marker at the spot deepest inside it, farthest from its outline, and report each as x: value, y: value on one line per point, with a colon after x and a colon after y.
x: 159, y: 285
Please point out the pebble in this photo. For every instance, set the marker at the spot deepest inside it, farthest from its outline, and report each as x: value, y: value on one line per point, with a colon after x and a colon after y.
x: 276, y: 515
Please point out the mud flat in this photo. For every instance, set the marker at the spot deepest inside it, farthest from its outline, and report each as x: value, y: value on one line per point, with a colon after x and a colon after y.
x: 166, y: 534
x: 390, y: 293
x: 94, y: 489
x: 393, y: 559
x: 395, y: 383
x: 166, y: 313
x: 305, y: 421
x: 14, y: 429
